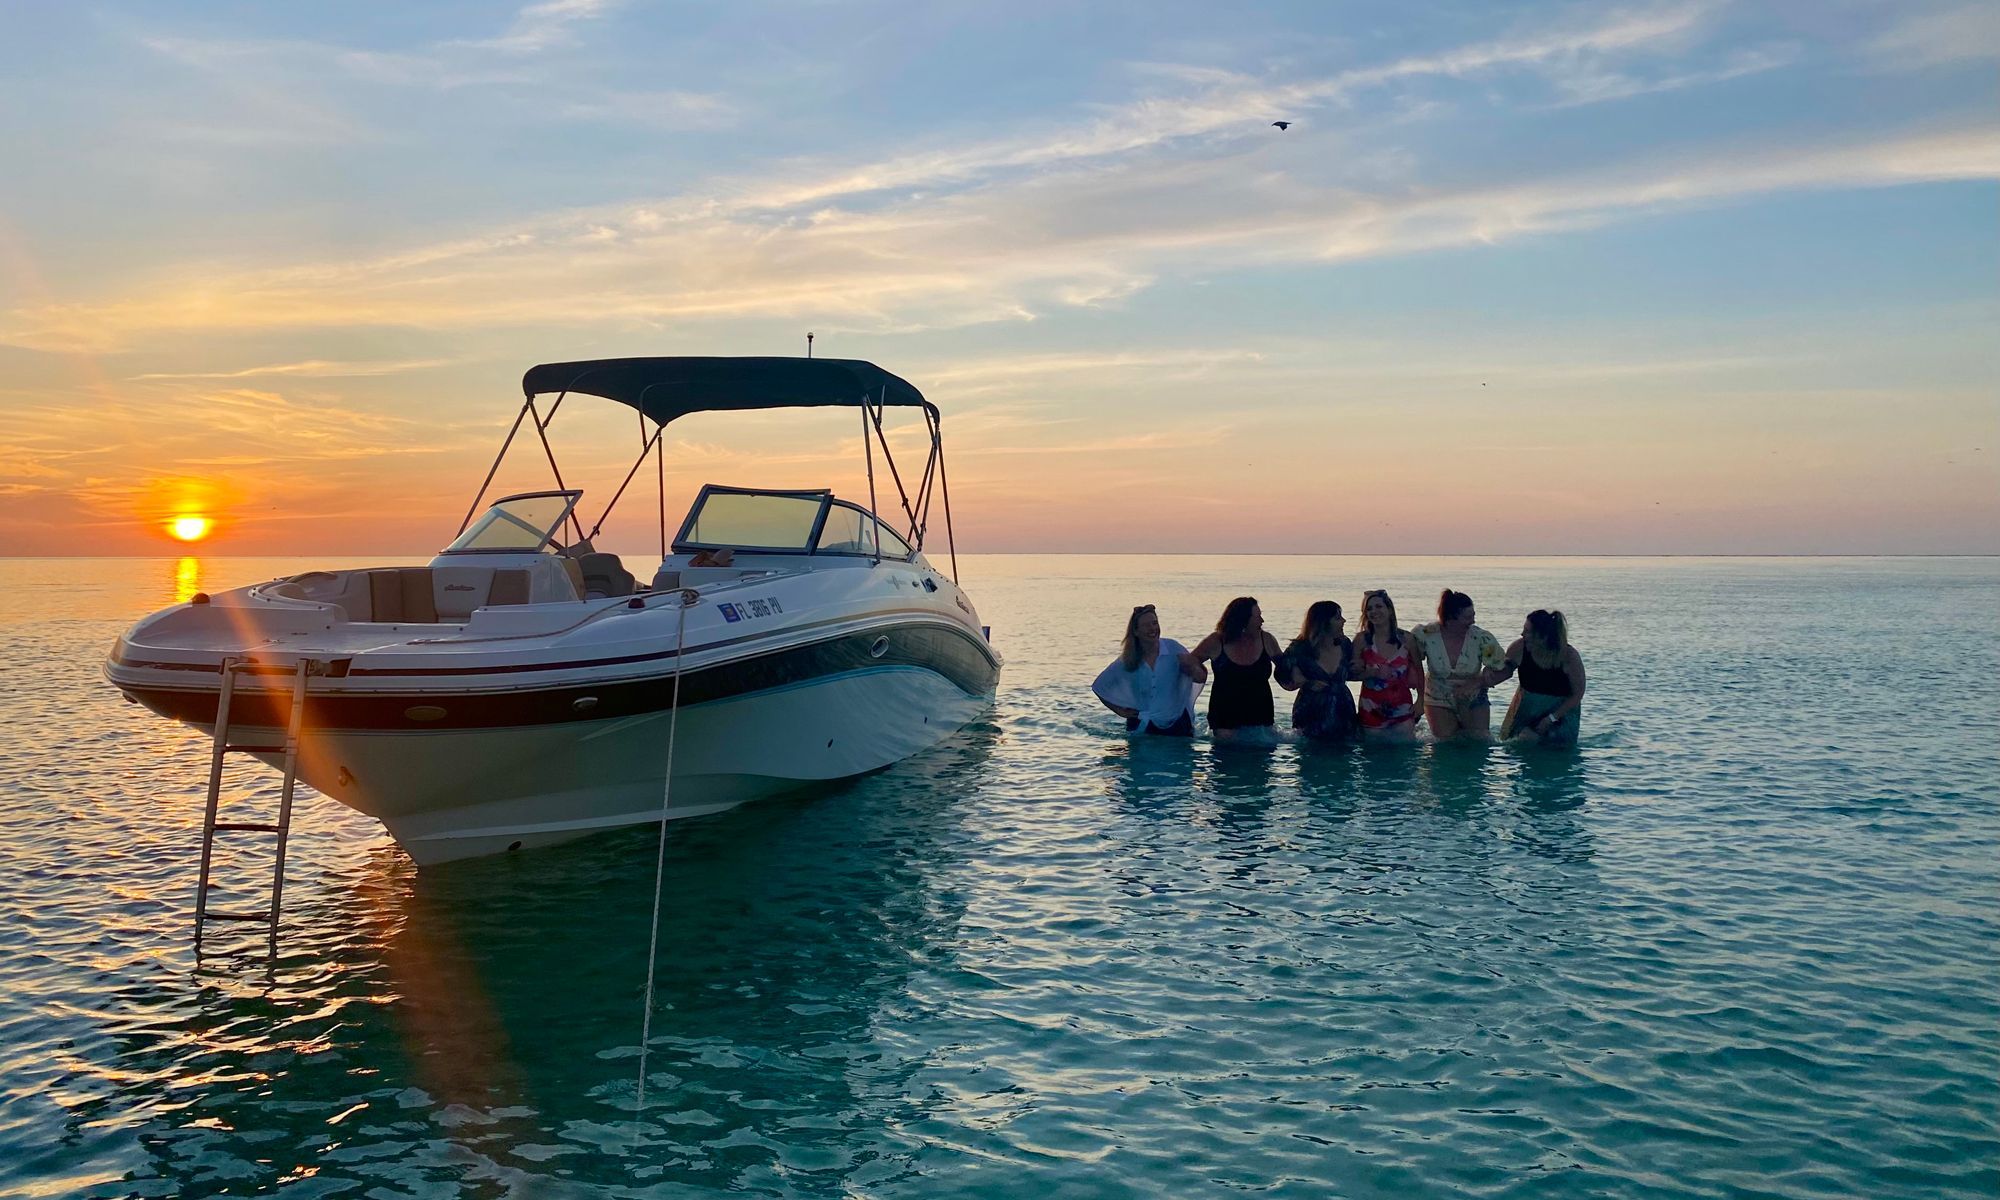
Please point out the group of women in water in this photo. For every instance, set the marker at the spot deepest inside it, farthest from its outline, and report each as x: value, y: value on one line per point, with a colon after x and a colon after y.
x: 1440, y: 672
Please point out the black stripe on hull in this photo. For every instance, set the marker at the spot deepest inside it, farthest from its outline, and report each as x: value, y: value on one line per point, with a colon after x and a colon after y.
x: 943, y: 650
x: 122, y: 657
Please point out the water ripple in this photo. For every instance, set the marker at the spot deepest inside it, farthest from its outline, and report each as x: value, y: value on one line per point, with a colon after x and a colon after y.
x: 1718, y: 951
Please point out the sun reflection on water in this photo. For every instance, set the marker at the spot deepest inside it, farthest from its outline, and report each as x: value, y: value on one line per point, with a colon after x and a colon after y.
x: 187, y: 578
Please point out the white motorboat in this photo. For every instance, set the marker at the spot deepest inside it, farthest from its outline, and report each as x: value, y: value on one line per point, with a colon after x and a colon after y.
x: 525, y: 689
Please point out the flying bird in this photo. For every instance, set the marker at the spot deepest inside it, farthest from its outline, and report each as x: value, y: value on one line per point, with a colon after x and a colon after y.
x: 1281, y: 126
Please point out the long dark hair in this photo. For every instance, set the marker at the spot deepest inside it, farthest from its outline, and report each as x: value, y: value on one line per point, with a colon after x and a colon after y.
x: 1129, y: 653
x: 1319, y: 621
x: 1236, y: 618
x: 1451, y: 603
x: 1550, y: 630
x: 1368, y: 630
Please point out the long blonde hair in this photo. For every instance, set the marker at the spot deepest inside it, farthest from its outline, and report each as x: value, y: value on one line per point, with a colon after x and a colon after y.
x: 1129, y: 653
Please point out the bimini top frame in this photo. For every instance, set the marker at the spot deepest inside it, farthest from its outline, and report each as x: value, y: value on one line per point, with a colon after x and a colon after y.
x: 664, y: 389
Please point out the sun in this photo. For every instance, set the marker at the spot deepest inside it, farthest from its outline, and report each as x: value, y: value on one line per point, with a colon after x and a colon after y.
x: 190, y: 529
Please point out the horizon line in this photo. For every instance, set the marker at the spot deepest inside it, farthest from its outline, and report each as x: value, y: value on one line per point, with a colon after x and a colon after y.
x: 1168, y: 554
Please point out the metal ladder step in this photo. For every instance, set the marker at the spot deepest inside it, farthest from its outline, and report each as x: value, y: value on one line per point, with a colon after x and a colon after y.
x: 302, y: 672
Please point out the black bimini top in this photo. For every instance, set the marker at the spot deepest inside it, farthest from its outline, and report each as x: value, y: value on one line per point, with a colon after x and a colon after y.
x: 666, y: 388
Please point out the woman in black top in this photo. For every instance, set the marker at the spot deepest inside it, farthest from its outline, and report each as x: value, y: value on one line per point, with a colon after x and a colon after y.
x: 1548, y: 705
x: 1239, y: 697
x: 1319, y: 663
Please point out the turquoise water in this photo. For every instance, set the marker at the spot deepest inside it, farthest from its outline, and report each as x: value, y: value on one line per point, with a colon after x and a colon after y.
x: 1741, y: 942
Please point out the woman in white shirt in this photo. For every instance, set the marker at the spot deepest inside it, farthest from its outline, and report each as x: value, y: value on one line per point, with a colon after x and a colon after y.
x: 1152, y: 683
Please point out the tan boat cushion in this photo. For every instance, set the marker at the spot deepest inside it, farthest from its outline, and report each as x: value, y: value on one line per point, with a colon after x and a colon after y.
x: 509, y: 587
x: 418, y: 606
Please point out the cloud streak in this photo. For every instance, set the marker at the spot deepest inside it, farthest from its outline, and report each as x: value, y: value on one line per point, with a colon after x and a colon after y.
x: 543, y: 26
x: 1000, y: 253
x: 311, y: 368
x: 1945, y: 35
x: 999, y: 230
x: 1224, y: 101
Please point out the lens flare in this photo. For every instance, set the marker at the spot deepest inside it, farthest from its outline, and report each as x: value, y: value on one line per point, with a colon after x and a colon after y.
x: 190, y: 529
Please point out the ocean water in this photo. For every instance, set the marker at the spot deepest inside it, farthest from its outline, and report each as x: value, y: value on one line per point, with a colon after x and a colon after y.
x: 1741, y: 942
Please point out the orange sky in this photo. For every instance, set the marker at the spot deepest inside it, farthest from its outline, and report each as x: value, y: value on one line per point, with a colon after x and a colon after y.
x: 1137, y: 455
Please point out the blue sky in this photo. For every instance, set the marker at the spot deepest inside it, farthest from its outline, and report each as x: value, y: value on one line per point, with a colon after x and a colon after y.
x: 1595, y: 278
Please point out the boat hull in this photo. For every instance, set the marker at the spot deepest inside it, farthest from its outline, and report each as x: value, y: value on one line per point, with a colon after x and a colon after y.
x: 539, y: 786
x: 464, y: 793
x: 457, y: 773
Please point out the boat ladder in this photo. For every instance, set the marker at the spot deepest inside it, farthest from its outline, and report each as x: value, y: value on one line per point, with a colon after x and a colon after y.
x: 232, y: 668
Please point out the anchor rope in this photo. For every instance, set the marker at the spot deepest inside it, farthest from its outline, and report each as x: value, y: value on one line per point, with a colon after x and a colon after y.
x: 688, y: 597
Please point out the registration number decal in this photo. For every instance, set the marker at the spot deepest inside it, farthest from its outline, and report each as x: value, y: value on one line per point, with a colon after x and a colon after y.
x: 750, y: 610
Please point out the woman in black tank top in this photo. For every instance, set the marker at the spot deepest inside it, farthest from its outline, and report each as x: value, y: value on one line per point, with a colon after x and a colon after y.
x: 1549, y: 703
x: 1549, y: 681
x: 1241, y: 654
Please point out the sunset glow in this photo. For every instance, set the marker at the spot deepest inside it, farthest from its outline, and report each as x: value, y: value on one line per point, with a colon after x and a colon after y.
x: 1531, y: 279
x: 190, y: 529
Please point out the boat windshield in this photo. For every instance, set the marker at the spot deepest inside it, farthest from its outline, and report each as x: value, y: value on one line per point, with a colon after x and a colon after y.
x: 786, y: 523
x: 773, y: 521
x: 517, y: 524
x: 850, y: 530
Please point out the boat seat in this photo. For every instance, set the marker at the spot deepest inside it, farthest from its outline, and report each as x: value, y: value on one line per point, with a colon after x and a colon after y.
x: 401, y: 596
x: 430, y: 595
x: 456, y: 591
x: 509, y: 587
x: 605, y: 575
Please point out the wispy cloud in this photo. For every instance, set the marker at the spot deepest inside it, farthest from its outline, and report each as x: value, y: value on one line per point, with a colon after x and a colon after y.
x: 970, y: 378
x: 1223, y: 101
x: 313, y: 368
x: 663, y: 110
x: 285, y: 87
x: 997, y: 253
x: 539, y: 27
x: 241, y: 107
x: 1927, y: 37
x: 1599, y: 86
